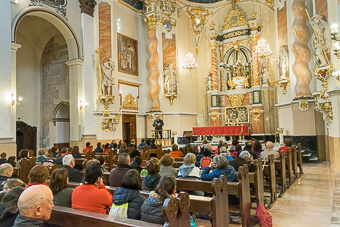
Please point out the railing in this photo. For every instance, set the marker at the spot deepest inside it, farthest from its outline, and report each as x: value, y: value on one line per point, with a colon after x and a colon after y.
x: 162, y: 137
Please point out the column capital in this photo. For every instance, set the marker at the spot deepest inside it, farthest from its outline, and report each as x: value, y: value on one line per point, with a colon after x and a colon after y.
x: 75, y: 62
x: 15, y: 46
x: 87, y: 6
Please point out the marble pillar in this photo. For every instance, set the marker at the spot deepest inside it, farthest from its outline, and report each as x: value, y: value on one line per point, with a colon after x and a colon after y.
x: 213, y: 48
x: 301, y: 50
x: 255, y: 76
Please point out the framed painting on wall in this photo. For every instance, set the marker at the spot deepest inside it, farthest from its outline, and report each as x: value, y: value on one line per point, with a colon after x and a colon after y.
x: 127, y: 55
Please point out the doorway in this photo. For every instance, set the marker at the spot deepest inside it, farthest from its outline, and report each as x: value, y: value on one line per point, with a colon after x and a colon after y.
x: 129, y: 128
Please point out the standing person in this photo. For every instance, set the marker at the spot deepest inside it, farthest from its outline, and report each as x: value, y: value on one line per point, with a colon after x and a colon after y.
x: 88, y: 148
x: 158, y: 124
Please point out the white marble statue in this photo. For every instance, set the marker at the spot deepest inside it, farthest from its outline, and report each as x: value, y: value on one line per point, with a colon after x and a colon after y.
x: 170, y: 81
x: 265, y: 76
x: 107, y: 77
x: 209, y: 82
x: 321, y: 41
x: 283, y: 62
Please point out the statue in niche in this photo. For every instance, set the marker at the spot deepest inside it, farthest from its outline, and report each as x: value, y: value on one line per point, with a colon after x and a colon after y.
x: 107, y: 77
x: 265, y: 76
x: 283, y: 62
x: 170, y: 81
x: 321, y: 41
x: 209, y: 82
x: 239, y: 80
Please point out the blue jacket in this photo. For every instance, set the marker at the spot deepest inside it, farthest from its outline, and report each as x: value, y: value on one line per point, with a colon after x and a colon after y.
x: 229, y: 171
x: 133, y: 197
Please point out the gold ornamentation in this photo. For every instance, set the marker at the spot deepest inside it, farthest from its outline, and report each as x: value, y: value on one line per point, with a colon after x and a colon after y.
x: 151, y: 21
x: 170, y: 20
x: 214, y: 115
x: 87, y: 6
x: 129, y: 102
x: 236, y: 100
x: 106, y: 100
x: 256, y: 113
x: 109, y: 124
x: 212, y: 25
x: 283, y: 83
x: 235, y: 18
x: 253, y: 15
x: 235, y: 34
x: 303, y: 105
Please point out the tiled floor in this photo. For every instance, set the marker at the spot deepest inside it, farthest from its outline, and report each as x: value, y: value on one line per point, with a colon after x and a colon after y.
x: 309, y: 202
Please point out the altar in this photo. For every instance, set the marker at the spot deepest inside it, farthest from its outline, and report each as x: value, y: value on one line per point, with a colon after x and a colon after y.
x: 233, y: 130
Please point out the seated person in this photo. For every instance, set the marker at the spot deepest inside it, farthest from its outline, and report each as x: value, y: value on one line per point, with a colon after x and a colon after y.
x: 38, y: 175
x: 206, y: 160
x: 166, y: 166
x: 12, y: 160
x: 41, y: 156
x: 116, y: 174
x: 73, y: 174
x: 152, y: 208
x: 288, y: 143
x: 268, y: 151
x: 189, y: 149
x: 257, y: 148
x: 55, y: 152
x: 9, y: 206
x: 133, y: 154
x: 152, y: 179
x: 188, y: 169
x: 6, y: 171
x: 133, y: 144
x: 244, y: 158
x: 248, y: 147
x: 12, y: 183
x: 129, y: 193
x: 175, y: 153
x: 112, y: 145
x: 238, y: 150
x: 136, y: 164
x: 102, y: 161
x: 59, y: 159
x: 3, y: 158
x: 153, y: 145
x: 233, y: 144
x: 35, y: 206
x: 75, y: 152
x: 142, y: 144
x: 92, y: 195
x: 23, y: 154
x: 99, y: 148
x: 106, y: 149
x: 62, y: 195
x: 88, y: 148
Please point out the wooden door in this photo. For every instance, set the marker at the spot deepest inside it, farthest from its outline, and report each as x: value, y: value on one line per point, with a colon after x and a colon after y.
x: 129, y: 128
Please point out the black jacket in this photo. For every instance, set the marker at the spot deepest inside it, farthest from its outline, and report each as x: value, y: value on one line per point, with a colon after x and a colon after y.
x: 2, y: 179
x: 21, y: 221
x: 252, y: 153
x: 237, y: 162
x: 8, y: 218
x: 152, y: 211
x: 134, y: 165
x: 73, y: 174
x: 151, y: 181
x: 132, y: 197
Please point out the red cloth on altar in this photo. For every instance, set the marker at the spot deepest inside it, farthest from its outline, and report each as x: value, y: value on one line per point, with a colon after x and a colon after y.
x: 221, y: 130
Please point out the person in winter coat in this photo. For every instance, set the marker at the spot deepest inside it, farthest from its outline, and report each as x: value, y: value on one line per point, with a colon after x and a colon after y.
x: 175, y: 153
x: 206, y: 160
x: 166, y: 166
x: 152, y: 179
x: 136, y: 164
x: 152, y: 208
x: 129, y: 193
x: 188, y: 169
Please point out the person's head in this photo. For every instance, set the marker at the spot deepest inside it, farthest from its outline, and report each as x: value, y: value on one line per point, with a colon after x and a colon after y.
x: 11, y: 159
x: 269, y: 145
x: 38, y: 174
x: 175, y: 147
x: 221, y: 162
x: 92, y: 161
x: 153, y: 166
x: 23, y: 153
x: 93, y: 173
x: 134, y: 153
x: 101, y: 159
x: 167, y: 160
x: 115, y: 145
x: 68, y: 160
x: 138, y: 160
x: 223, y: 149
x: 10, y: 199
x: 36, y: 202
x: 166, y: 186
x: 107, y: 146
x: 58, y: 180
x: 189, y: 159
x: 6, y: 170
x: 124, y: 159
x: 288, y: 142
x: 234, y: 142
x: 245, y: 155
x: 143, y: 140
x: 220, y: 142
x: 208, y: 147
x: 188, y: 148
x: 257, y: 146
x: 133, y: 141
x: 99, y: 144
x: 54, y: 150
x: 75, y: 150
x: 31, y: 153
x: 157, y: 117
x: 123, y: 146
x: 205, y: 142
x: 249, y: 144
x: 12, y: 183
x: 238, y: 148
x: 63, y: 150
x: 207, y: 153
x: 3, y: 155
x: 132, y: 180
x: 42, y: 151
x: 88, y: 144
x: 69, y: 150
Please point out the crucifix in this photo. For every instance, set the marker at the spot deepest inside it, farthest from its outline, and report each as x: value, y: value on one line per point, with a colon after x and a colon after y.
x: 233, y: 2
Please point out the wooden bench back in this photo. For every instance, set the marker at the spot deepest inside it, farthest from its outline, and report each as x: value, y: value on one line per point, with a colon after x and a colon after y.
x: 25, y: 167
x: 256, y: 178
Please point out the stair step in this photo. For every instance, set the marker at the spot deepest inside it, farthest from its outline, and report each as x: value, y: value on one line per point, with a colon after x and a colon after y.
x: 303, y: 151
x: 314, y: 159
x: 307, y: 155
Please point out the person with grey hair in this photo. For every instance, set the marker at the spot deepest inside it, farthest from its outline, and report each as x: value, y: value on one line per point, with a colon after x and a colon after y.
x: 73, y: 174
x: 6, y: 171
x: 35, y: 205
x: 268, y: 151
x: 116, y: 174
x: 243, y: 158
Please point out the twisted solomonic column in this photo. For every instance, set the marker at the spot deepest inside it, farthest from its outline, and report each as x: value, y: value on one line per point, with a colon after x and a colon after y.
x: 214, y: 66
x: 301, y: 50
x: 255, y: 76
x: 151, y: 21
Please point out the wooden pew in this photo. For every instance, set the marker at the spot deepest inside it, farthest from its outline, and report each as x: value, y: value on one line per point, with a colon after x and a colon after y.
x: 280, y: 165
x: 295, y: 166
x: 271, y: 179
x: 299, y: 162
x: 289, y: 166
x: 25, y: 166
x: 175, y: 211
x: 256, y: 178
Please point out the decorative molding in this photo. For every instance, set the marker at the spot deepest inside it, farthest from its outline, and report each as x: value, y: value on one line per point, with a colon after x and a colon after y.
x: 133, y: 83
x: 60, y: 5
x: 87, y: 6
x: 129, y: 102
x: 236, y: 100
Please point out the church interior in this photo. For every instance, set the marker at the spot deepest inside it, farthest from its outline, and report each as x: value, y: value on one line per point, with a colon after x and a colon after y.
x: 79, y: 71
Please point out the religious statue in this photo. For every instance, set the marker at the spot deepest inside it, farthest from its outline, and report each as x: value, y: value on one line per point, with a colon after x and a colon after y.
x: 107, y: 77
x: 209, y: 82
x: 283, y: 62
x: 321, y: 41
x: 265, y: 76
x: 170, y: 81
x: 239, y: 78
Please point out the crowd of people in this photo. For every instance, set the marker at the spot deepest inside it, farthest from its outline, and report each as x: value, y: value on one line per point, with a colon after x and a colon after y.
x: 31, y: 204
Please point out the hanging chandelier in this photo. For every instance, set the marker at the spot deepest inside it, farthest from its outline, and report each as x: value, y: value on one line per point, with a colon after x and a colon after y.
x: 262, y: 50
x: 189, y: 62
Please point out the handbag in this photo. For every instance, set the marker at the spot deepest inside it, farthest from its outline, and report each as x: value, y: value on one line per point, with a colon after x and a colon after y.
x: 264, y: 218
x: 119, y: 210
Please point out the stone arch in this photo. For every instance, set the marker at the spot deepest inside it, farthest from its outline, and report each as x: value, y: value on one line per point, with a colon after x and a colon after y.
x: 61, y: 112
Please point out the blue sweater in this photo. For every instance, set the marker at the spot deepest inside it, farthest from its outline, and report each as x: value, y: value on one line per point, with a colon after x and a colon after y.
x: 229, y: 171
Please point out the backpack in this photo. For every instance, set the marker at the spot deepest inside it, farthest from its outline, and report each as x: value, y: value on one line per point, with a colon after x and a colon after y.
x: 205, y: 162
x: 119, y: 210
x: 264, y: 218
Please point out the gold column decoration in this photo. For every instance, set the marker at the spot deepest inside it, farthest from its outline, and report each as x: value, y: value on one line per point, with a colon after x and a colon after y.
x: 255, y: 76
x: 236, y: 100
x: 110, y: 124
x: 301, y: 50
x: 213, y: 49
x: 151, y: 21
x: 256, y: 113
x: 214, y: 115
x: 222, y: 79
